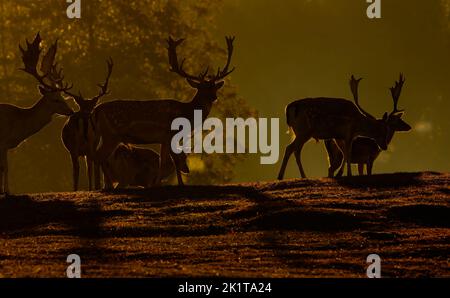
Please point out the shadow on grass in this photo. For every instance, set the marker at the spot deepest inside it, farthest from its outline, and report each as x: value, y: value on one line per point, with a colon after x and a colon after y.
x: 20, y: 214
x: 426, y: 215
x: 382, y: 180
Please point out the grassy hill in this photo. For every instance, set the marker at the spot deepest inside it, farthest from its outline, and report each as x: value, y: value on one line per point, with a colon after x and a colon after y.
x: 293, y: 228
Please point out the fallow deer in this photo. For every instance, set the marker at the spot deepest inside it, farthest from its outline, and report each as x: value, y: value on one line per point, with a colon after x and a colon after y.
x: 78, y: 135
x: 365, y: 150
x: 133, y: 166
x: 17, y: 124
x: 149, y: 122
x: 330, y: 118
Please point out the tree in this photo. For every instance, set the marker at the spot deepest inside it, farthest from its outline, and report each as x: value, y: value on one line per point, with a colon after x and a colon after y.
x: 133, y: 33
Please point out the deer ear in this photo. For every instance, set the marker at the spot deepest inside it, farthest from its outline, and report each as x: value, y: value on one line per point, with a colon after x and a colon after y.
x: 220, y: 85
x: 42, y: 90
x: 193, y: 83
x: 95, y: 101
x: 399, y: 114
x: 385, y: 116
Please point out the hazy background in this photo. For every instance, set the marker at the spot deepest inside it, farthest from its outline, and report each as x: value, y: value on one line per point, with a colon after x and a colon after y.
x: 285, y: 50
x: 292, y: 49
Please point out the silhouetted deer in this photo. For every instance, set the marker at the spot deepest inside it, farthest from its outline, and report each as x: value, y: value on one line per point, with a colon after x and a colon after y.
x: 149, y: 122
x: 331, y: 118
x: 133, y: 166
x: 78, y: 135
x: 366, y: 150
x: 17, y: 124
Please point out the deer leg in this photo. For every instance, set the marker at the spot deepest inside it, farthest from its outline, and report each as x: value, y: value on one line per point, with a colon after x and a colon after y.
x: 369, y: 168
x: 298, y: 159
x: 331, y: 160
x: 3, y: 172
x: 163, y: 157
x: 291, y: 148
x: 96, y: 175
x: 177, y: 168
x: 6, y: 173
x: 335, y: 157
x: 108, y: 174
x: 109, y: 185
x: 341, y: 171
x: 96, y: 168
x: 89, y: 169
x: 287, y: 154
x: 361, y: 169
x: 1, y: 179
x: 75, y: 171
x: 341, y: 161
x: 348, y: 157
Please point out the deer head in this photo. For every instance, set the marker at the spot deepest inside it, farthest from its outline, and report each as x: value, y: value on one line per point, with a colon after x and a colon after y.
x: 51, y: 81
x: 395, y: 121
x: 206, y: 85
x: 88, y: 105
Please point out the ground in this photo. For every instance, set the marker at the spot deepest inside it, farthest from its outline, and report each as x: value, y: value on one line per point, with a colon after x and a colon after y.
x: 293, y: 228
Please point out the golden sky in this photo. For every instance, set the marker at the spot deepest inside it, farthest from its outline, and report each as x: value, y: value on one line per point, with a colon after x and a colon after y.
x: 291, y: 49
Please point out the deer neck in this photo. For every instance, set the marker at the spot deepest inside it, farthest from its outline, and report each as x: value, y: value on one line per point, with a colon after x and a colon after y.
x: 37, y: 117
x: 390, y: 136
x: 202, y: 103
x: 368, y: 127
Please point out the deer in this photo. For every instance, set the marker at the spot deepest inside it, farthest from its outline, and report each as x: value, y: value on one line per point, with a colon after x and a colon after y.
x: 133, y: 166
x: 365, y: 150
x: 331, y: 118
x: 149, y: 121
x: 78, y: 135
x: 16, y: 123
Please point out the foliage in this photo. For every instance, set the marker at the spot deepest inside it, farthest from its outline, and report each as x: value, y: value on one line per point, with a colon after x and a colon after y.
x: 133, y: 33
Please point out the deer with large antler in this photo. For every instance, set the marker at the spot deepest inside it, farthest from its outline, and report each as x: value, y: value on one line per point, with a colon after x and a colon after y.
x: 149, y: 122
x: 365, y: 150
x: 331, y: 118
x: 78, y: 134
x: 17, y: 124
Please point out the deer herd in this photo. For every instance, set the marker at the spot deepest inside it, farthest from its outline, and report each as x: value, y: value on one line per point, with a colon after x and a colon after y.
x: 108, y: 135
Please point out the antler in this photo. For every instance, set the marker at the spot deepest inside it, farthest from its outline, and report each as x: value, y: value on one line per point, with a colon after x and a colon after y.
x: 354, y: 85
x: 104, y: 88
x: 221, y: 74
x: 177, y: 67
x: 396, y: 91
x: 30, y: 58
x: 80, y: 100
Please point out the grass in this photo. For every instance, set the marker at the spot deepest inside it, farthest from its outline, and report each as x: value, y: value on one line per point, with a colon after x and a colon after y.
x: 293, y: 228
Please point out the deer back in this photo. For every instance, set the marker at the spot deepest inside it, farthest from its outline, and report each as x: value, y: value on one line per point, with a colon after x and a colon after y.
x: 139, y: 122
x: 323, y: 118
